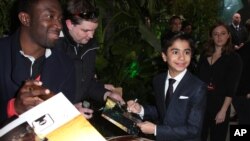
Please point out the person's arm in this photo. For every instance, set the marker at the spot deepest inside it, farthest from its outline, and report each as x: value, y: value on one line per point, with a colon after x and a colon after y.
x: 231, y: 85
x: 220, y: 117
x: 11, y: 111
x: 113, y: 93
x: 95, y: 90
x: 134, y: 107
x: 99, y: 91
x: 147, y: 127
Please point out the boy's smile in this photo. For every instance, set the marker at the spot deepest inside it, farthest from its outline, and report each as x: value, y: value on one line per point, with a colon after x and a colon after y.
x: 178, y: 57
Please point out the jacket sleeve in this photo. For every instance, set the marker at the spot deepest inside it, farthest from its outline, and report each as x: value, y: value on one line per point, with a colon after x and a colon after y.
x: 96, y: 90
x: 233, y: 75
x: 68, y: 85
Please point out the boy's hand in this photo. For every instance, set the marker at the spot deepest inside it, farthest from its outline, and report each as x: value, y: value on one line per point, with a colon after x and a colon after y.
x: 147, y: 127
x: 133, y: 106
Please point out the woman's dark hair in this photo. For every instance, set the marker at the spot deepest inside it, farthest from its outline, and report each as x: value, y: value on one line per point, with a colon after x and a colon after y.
x: 170, y: 42
x: 209, y: 47
x: 79, y: 10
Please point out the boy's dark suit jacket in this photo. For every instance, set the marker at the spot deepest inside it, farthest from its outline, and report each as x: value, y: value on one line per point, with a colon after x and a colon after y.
x: 57, y: 74
x: 183, y: 119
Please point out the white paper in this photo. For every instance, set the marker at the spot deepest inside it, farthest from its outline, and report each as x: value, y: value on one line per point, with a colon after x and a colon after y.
x: 47, y: 116
x: 57, y: 111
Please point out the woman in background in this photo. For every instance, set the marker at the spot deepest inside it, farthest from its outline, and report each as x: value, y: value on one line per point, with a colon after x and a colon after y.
x: 220, y: 67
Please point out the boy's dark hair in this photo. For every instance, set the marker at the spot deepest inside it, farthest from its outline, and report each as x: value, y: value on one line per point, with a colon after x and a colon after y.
x: 78, y: 10
x: 170, y: 42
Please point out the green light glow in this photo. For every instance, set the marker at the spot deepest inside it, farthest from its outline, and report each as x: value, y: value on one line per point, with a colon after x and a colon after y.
x: 133, y: 69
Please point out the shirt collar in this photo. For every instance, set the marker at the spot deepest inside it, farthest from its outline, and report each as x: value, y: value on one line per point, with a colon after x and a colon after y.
x: 179, y: 76
x: 235, y: 26
x: 47, y: 54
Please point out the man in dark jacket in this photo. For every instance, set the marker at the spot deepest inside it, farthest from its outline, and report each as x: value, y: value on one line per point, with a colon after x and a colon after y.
x: 238, y: 32
x: 28, y: 59
x: 79, y: 25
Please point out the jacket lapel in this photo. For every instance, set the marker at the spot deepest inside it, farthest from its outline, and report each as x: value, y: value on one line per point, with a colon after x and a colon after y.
x: 162, y: 90
x: 53, y: 72
x: 161, y: 97
x: 20, y: 69
x: 180, y: 88
x: 50, y: 72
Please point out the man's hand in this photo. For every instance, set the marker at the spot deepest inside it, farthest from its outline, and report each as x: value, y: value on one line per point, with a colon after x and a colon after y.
x: 28, y: 95
x: 113, y: 93
x: 86, y: 112
x: 237, y: 47
x: 241, y: 45
x: 115, y: 96
x: 29, y: 137
x: 248, y: 96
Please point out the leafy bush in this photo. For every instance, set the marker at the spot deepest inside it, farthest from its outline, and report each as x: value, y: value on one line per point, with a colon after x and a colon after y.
x: 5, y: 14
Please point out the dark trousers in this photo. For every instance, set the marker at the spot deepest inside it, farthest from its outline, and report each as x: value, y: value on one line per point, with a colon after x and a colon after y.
x: 216, y: 132
x: 242, y: 108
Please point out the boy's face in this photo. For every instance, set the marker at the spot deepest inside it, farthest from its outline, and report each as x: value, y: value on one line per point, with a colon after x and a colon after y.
x: 178, y: 57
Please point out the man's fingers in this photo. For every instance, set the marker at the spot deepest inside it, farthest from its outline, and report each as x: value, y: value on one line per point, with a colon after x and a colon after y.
x: 32, y: 101
x: 87, y: 113
x: 33, y: 82
x: 34, y: 90
x: 37, y: 92
x: 87, y: 116
x: 109, y: 87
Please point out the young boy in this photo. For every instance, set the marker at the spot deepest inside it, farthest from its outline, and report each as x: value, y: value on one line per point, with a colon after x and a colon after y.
x: 178, y: 114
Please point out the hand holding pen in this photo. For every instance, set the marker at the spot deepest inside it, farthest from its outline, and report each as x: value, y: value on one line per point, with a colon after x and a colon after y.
x: 133, y: 106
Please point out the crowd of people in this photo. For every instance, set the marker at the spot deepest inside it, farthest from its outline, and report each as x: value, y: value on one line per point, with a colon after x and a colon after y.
x: 223, y: 65
x: 192, y: 97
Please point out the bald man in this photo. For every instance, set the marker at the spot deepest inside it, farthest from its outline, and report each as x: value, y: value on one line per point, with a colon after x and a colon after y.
x: 238, y: 32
